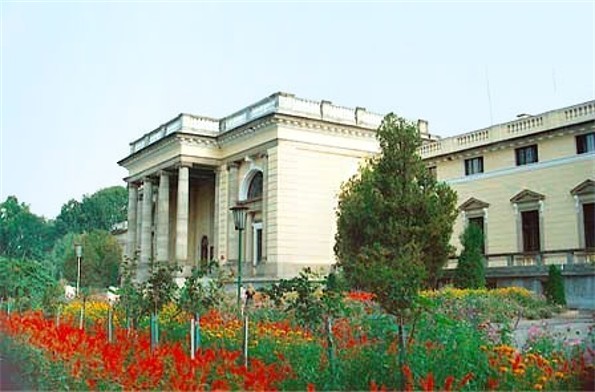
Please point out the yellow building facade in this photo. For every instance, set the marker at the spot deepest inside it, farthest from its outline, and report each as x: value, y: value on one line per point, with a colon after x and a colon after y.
x: 527, y: 183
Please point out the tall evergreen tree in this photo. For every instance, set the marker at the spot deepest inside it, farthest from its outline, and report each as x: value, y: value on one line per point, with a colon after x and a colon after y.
x: 394, y: 223
x: 554, y: 287
x: 470, y: 272
x: 394, y: 204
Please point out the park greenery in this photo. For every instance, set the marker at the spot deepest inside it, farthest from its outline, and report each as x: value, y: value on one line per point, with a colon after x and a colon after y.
x: 36, y: 252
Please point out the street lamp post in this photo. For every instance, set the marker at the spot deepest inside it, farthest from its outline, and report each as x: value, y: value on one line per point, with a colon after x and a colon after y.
x: 240, y: 213
x: 78, y: 249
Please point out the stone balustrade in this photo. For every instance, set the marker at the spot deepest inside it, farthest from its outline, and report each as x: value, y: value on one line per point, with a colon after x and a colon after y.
x: 186, y: 123
x: 521, y: 127
x: 282, y: 103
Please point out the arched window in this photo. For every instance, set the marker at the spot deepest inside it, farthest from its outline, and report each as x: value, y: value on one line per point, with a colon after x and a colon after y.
x: 255, y: 188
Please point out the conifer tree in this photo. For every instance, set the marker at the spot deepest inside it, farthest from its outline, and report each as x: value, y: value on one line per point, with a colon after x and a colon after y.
x: 470, y: 272
x: 554, y: 287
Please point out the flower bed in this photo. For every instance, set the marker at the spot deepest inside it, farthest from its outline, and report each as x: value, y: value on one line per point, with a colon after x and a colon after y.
x: 443, y: 352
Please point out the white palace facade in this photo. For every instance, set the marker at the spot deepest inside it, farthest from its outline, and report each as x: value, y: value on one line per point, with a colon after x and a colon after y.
x: 285, y: 158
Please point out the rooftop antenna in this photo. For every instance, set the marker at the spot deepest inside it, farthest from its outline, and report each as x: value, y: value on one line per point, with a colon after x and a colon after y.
x: 489, y: 95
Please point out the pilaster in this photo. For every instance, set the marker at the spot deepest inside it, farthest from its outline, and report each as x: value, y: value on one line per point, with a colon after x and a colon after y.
x: 232, y: 197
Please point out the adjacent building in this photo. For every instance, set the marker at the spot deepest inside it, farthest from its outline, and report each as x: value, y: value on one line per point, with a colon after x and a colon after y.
x: 528, y: 183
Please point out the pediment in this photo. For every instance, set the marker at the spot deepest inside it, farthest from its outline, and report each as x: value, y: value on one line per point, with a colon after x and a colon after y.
x: 527, y: 195
x: 585, y: 188
x: 473, y: 204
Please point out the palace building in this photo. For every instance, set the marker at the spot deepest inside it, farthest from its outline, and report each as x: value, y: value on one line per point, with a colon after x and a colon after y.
x: 527, y: 183
x: 283, y: 157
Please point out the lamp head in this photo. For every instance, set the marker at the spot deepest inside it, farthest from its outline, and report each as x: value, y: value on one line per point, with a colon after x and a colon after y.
x: 240, y: 213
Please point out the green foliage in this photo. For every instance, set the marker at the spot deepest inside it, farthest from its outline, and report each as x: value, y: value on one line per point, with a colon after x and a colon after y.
x: 160, y: 288
x: 131, y: 296
x: 200, y: 293
x: 100, y: 211
x: 308, y: 296
x: 554, y: 287
x: 63, y: 250
x: 394, y: 203
x: 470, y: 272
x: 141, y: 299
x: 395, y: 277
x: 24, y: 280
x: 100, y: 262
x: 23, y: 234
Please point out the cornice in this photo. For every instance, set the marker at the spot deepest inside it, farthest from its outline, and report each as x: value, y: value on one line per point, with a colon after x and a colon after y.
x: 326, y: 126
x: 511, y: 143
x: 175, y: 138
x: 141, y: 154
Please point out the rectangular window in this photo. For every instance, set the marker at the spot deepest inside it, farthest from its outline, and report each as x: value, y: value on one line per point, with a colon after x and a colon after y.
x: 589, y: 224
x: 473, y: 166
x: 530, y: 227
x: 478, y: 221
x: 585, y: 143
x: 526, y: 155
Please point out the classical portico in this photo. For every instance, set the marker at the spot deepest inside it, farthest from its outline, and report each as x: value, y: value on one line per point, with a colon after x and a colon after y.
x: 282, y: 157
x: 174, y: 208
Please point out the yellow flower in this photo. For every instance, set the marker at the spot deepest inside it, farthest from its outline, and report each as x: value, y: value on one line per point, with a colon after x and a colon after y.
x: 538, y: 387
x: 503, y: 369
x: 559, y: 375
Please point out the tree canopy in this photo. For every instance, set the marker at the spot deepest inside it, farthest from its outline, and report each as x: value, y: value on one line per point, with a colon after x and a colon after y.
x: 100, y: 211
x: 394, y: 217
x: 100, y: 262
x: 23, y: 234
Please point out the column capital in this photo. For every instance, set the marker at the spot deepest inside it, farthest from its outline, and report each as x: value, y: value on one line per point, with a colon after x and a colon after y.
x: 233, y: 165
x: 163, y: 172
x: 147, y: 179
x: 184, y: 164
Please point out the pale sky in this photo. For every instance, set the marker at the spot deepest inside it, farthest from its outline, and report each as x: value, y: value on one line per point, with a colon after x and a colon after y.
x: 80, y: 81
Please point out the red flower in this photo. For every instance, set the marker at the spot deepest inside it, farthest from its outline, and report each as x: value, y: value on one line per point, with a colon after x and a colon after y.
x: 427, y: 384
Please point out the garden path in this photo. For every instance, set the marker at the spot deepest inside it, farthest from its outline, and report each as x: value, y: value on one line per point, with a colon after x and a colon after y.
x: 571, y: 326
x: 10, y: 376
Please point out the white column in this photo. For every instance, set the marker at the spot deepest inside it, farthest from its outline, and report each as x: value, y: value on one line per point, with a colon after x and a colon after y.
x: 232, y: 197
x: 265, y: 204
x: 146, y: 229
x: 216, y: 215
x: 163, y: 218
x: 182, y: 215
x: 131, y: 234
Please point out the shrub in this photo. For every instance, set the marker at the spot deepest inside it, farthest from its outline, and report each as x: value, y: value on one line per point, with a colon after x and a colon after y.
x: 470, y: 272
x: 554, y: 287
